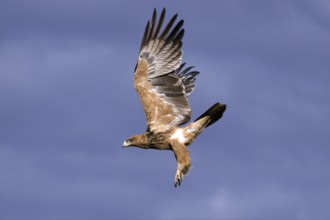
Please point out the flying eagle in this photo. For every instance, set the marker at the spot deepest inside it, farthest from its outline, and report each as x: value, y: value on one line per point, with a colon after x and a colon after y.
x: 163, y: 85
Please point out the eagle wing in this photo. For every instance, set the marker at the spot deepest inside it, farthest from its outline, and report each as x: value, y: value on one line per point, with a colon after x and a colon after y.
x: 160, y: 78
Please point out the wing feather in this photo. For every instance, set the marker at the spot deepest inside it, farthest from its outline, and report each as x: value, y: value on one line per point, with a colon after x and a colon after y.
x: 160, y: 80
x: 168, y: 26
x: 160, y: 23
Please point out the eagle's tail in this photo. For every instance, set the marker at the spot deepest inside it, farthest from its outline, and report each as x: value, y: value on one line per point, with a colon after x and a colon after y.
x: 212, y: 115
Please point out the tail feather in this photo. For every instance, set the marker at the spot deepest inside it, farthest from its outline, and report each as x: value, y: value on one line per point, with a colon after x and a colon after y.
x: 214, y: 113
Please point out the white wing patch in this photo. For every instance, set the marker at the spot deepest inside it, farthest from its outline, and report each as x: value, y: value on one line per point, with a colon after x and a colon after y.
x: 179, y: 136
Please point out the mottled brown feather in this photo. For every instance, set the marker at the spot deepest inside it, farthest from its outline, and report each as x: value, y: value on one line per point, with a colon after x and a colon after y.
x: 159, y: 114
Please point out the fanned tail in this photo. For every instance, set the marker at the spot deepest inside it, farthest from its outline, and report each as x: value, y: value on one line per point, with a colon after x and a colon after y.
x: 214, y: 114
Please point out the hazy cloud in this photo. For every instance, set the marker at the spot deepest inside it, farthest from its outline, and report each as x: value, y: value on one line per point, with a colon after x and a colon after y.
x: 67, y: 104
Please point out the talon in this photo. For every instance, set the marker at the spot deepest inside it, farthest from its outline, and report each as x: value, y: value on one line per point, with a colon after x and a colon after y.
x: 178, y: 178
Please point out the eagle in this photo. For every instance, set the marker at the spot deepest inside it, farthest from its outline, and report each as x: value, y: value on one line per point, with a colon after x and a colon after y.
x: 163, y: 84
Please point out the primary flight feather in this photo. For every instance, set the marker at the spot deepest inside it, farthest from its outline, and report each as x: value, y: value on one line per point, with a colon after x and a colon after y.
x: 163, y: 85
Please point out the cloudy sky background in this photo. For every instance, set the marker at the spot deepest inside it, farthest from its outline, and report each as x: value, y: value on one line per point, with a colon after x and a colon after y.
x: 67, y: 103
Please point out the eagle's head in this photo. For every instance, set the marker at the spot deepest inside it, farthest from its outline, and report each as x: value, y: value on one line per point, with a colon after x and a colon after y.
x: 136, y: 141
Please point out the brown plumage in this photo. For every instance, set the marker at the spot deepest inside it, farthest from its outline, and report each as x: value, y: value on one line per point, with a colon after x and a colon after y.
x: 163, y: 85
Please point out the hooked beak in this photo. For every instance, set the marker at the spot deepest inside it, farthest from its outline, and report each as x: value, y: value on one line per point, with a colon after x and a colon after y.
x: 126, y: 144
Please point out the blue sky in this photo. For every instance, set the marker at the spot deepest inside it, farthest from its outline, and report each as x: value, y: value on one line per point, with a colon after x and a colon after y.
x: 68, y: 103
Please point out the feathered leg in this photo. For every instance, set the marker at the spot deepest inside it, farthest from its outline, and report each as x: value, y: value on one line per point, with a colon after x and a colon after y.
x: 183, y: 159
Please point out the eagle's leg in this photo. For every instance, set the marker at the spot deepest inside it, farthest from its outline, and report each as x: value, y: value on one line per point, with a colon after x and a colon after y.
x: 182, y: 156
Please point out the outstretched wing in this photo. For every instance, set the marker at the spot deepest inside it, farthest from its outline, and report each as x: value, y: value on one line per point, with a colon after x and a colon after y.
x: 160, y: 80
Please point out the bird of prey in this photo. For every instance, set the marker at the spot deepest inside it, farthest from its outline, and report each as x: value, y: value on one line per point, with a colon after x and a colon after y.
x: 163, y: 85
